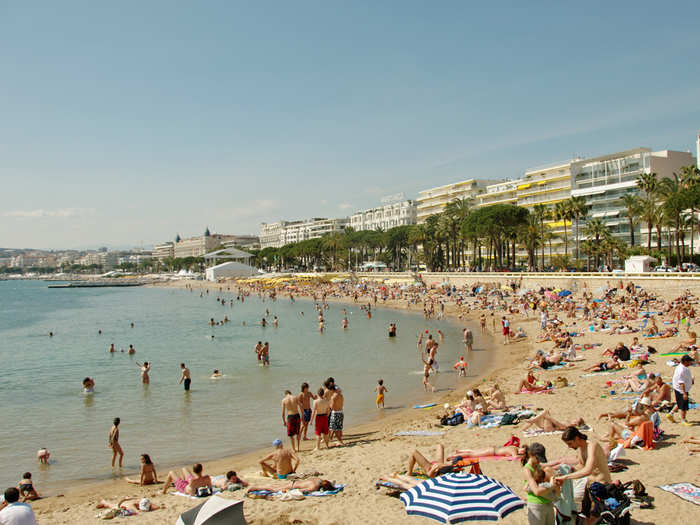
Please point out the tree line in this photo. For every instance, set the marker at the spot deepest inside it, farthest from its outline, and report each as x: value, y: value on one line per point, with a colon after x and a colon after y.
x: 511, y: 237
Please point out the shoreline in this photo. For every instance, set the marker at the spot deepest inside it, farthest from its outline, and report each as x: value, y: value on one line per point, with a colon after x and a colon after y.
x: 247, y: 458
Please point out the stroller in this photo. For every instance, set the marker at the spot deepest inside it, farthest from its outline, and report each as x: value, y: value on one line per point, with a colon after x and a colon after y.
x: 610, y: 504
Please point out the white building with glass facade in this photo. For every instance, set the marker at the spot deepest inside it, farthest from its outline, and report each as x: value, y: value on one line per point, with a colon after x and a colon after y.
x: 434, y: 200
x: 312, y: 229
x: 604, y: 180
x: 386, y: 216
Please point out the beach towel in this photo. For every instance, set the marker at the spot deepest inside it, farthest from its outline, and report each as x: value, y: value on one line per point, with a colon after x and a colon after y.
x: 419, y: 433
x: 265, y: 494
x: 673, y: 353
x: 530, y: 432
x: 594, y: 374
x: 645, y: 432
x: 687, y: 491
x: 215, y: 490
x: 548, y: 391
x: 428, y: 405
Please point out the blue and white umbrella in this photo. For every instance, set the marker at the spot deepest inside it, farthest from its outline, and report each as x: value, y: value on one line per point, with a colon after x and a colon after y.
x: 454, y: 498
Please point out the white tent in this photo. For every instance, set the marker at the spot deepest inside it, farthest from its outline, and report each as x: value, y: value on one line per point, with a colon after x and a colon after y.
x: 639, y: 264
x: 229, y: 269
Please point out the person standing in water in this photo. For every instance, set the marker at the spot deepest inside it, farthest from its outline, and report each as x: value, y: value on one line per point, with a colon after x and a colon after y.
x: 291, y: 418
x: 304, y: 399
x: 145, y: 368
x: 380, y: 389
x: 113, y: 442
x: 185, y: 377
x: 265, y: 354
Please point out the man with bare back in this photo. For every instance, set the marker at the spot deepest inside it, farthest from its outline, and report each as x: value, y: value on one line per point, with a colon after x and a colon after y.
x: 291, y: 417
x: 304, y: 399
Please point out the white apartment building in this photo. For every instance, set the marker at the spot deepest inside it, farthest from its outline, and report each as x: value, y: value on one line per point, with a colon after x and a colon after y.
x: 434, y: 200
x: 604, y: 180
x: 312, y: 229
x: 198, y: 246
x: 164, y: 251
x: 387, y: 216
x: 272, y: 233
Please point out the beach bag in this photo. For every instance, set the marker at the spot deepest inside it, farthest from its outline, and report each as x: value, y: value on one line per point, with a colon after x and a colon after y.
x: 203, y: 492
x: 561, y: 382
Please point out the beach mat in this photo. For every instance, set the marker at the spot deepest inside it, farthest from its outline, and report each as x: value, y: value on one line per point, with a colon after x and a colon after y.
x: 428, y: 405
x: 673, y: 353
x: 687, y: 491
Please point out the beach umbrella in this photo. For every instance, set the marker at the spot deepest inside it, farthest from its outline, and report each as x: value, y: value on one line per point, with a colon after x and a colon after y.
x: 550, y: 295
x: 214, y: 511
x: 564, y: 293
x: 455, y: 498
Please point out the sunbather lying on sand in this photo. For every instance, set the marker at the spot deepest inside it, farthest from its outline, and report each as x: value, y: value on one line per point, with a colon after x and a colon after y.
x: 546, y: 422
x: 509, y: 451
x: 402, y: 481
x: 613, y: 364
x: 131, y: 505
x: 432, y: 469
x: 305, y: 485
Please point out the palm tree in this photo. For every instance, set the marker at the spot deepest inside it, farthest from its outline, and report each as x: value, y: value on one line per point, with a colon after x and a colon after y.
x: 461, y: 209
x: 562, y: 212
x: 541, y: 212
x: 648, y: 213
x: 632, y: 205
x: 579, y: 210
x: 690, y: 178
x: 596, y: 229
x: 675, y: 203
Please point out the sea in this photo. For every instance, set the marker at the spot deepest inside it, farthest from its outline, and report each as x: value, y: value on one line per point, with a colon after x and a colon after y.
x: 43, y: 404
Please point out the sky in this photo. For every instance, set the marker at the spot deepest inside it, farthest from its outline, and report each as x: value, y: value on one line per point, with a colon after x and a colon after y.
x: 125, y: 123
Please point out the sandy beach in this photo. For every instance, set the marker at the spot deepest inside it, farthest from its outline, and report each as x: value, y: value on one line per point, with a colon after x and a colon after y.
x: 374, y: 450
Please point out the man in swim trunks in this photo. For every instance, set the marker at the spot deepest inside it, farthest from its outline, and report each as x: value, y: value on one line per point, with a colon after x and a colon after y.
x: 189, y: 482
x: 185, y: 377
x: 304, y: 399
x: 258, y: 350
x: 320, y: 414
x: 291, y: 417
x: 337, y: 416
x: 265, y: 354
x: 279, y: 463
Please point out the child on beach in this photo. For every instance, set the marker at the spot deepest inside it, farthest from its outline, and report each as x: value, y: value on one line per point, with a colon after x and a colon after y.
x: 26, y: 488
x: 380, y: 389
x: 461, y: 367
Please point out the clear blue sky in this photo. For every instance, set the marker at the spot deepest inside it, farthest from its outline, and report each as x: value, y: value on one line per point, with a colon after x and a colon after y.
x: 130, y: 122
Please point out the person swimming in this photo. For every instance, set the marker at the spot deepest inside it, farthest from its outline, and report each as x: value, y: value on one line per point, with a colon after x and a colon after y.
x: 88, y: 385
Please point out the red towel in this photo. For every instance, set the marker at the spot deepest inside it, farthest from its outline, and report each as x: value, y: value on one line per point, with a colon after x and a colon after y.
x: 645, y: 432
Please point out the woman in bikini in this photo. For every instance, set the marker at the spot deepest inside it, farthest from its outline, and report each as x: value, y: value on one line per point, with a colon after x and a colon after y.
x: 510, y: 451
x: 148, y: 473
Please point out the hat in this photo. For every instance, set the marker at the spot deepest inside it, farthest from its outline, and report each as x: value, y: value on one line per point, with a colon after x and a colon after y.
x: 537, y: 450
x: 470, y: 393
x: 277, y: 443
x: 645, y: 401
x: 145, y: 504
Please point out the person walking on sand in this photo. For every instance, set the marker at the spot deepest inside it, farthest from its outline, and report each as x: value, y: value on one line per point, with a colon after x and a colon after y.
x: 145, y: 368
x: 505, y: 323
x: 319, y: 415
x: 482, y: 322
x: 335, y: 421
x: 682, y: 383
x: 380, y: 389
x: 113, y: 442
x: 185, y: 377
x: 304, y: 398
x: 291, y: 418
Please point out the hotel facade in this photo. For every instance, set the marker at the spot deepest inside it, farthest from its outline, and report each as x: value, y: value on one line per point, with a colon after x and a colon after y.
x: 389, y: 215
x: 434, y: 200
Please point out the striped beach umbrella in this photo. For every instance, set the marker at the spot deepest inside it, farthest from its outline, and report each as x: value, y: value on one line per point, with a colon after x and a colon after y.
x: 454, y: 498
x: 214, y: 511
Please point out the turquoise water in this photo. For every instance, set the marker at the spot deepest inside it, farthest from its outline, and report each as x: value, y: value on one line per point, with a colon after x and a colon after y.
x: 43, y: 404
